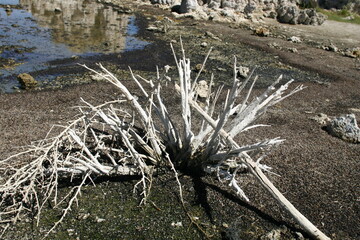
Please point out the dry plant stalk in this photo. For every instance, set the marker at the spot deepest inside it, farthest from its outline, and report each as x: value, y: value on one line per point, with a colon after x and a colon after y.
x: 110, y: 139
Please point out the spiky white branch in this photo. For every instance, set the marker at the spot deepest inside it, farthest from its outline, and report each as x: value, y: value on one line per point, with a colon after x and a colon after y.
x: 132, y: 137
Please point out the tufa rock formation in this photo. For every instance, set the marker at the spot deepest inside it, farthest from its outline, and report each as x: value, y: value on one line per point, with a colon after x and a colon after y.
x: 188, y: 6
x: 294, y: 15
x: 26, y: 81
x: 286, y: 11
x: 346, y: 128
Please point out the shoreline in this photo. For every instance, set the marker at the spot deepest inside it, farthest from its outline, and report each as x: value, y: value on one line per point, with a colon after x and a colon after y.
x: 319, y: 173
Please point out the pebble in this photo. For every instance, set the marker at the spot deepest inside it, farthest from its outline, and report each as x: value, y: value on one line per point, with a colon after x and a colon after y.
x: 262, y: 32
x: 321, y: 118
x: 331, y: 48
x: 293, y: 50
x: 203, y: 44
x: 211, y: 35
x: 99, y: 220
x: 176, y: 224
x: 274, y: 45
x: 152, y: 28
x: 202, y: 89
x: 294, y: 39
x: 243, y: 72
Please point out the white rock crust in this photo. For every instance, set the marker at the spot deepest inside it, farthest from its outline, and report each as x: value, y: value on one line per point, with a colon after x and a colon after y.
x: 286, y: 11
x: 346, y: 128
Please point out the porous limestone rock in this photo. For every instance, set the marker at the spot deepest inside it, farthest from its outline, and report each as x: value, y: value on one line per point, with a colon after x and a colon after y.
x: 345, y: 127
x: 250, y: 7
x: 287, y: 11
x: 188, y: 6
x: 288, y: 14
x: 294, y: 15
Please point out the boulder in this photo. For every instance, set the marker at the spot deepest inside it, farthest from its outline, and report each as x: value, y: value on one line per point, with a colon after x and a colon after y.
x: 293, y: 15
x: 250, y: 7
x: 26, y: 81
x: 214, y: 4
x: 311, y: 17
x: 188, y: 6
x: 229, y: 4
x: 288, y: 14
x: 345, y: 127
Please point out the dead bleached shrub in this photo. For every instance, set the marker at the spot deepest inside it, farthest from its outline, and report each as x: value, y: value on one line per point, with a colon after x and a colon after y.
x: 132, y: 137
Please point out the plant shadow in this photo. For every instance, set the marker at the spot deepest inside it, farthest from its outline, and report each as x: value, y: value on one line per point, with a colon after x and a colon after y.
x: 265, y: 216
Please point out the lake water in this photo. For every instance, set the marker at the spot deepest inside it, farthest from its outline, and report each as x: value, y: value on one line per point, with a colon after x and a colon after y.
x: 35, y: 32
x: 11, y: 2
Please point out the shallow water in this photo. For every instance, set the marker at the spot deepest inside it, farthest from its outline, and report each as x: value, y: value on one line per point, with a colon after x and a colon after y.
x: 43, y: 31
x: 10, y: 2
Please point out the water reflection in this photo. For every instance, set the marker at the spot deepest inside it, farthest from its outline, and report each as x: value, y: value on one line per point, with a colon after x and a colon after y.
x: 43, y: 31
x: 83, y: 25
x: 10, y: 2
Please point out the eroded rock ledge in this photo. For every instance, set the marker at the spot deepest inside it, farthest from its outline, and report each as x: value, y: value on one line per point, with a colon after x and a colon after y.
x: 286, y: 11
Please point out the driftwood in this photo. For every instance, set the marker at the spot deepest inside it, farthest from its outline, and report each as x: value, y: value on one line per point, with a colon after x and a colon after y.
x: 129, y: 137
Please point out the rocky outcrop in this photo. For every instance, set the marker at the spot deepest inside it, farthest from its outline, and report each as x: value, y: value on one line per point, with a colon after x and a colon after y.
x: 293, y: 15
x: 286, y: 11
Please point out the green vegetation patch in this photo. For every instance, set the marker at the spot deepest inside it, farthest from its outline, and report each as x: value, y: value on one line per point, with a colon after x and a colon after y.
x: 343, y: 15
